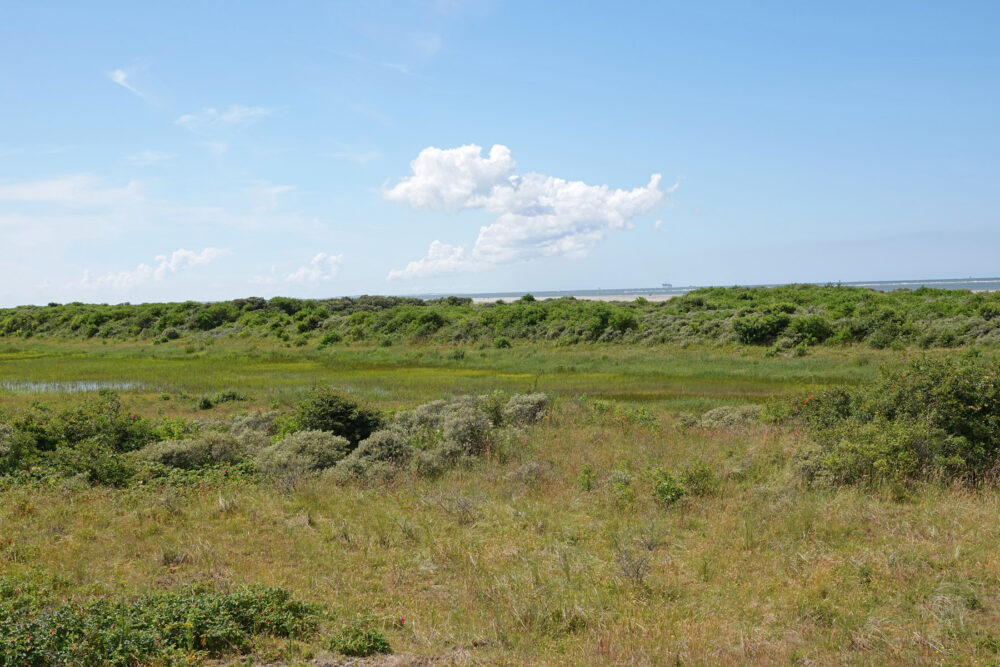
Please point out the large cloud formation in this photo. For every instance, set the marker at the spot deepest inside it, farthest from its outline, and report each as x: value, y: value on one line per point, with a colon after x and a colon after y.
x: 537, y: 215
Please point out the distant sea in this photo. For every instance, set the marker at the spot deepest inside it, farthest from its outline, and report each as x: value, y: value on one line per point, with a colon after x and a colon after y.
x: 661, y: 293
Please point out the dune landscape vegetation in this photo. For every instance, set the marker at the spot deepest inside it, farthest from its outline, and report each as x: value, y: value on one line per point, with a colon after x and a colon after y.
x: 796, y: 474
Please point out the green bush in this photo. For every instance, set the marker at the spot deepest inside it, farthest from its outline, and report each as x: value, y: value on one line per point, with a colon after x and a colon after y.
x: 211, y: 448
x: 303, y: 452
x: 360, y: 638
x: 667, y: 489
x: 98, y: 463
x: 163, y: 628
x: 730, y: 416
x: 523, y: 409
x: 759, y: 329
x: 325, y: 410
x: 467, y: 431
x: 931, y: 418
x: 878, y: 451
x: 383, y: 451
x: 101, y: 419
x: 695, y: 480
x: 813, y: 328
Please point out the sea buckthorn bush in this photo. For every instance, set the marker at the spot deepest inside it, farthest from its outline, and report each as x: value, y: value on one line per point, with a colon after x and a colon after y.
x: 933, y: 418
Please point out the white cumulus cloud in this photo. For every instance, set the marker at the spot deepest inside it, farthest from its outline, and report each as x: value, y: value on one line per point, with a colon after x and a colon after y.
x: 322, y: 267
x: 454, y: 178
x: 536, y: 215
x: 166, y: 265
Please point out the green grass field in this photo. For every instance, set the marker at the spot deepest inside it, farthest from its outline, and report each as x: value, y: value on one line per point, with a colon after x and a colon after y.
x: 551, y: 549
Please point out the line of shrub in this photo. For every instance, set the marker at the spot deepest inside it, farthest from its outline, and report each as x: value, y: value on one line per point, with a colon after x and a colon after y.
x: 790, y: 317
x: 101, y: 443
x: 180, y: 627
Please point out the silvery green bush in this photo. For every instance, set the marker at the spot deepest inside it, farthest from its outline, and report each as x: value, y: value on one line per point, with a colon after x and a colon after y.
x: 730, y: 416
x: 207, y: 449
x: 302, y: 452
x: 524, y: 409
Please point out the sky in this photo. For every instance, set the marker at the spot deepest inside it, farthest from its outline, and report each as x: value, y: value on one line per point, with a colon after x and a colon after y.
x: 212, y: 150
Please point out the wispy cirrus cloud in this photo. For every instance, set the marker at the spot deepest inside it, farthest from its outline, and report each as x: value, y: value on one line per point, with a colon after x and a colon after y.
x: 536, y: 215
x: 121, y: 77
x: 396, y: 67
x: 235, y: 114
x: 75, y: 190
x: 149, y: 158
x: 358, y: 157
x: 165, y: 266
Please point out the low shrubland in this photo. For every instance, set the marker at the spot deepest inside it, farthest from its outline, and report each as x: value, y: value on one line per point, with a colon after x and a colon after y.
x: 790, y: 318
x: 99, y: 443
x: 163, y: 628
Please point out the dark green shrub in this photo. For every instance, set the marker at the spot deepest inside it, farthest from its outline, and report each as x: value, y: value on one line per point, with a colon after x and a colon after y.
x: 360, y: 638
x: 325, y: 410
x: 330, y: 338
x: 493, y: 405
x: 697, y: 480
x: 667, y: 489
x: 100, y: 464
x: 215, y: 315
x: 877, y: 451
x: 622, y: 321
x: 101, y: 419
x: 501, y: 343
x: 759, y: 329
x: 164, y: 628
x: 17, y: 450
x: 229, y: 396
x: 932, y: 418
x: 813, y: 328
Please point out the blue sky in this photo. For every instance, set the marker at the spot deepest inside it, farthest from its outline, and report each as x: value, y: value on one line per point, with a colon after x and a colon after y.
x: 209, y: 150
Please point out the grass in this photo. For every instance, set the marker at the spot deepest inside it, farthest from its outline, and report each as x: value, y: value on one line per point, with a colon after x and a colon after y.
x: 686, y: 379
x: 553, y: 550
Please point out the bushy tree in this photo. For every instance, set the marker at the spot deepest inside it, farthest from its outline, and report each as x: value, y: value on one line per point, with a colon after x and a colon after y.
x: 325, y: 410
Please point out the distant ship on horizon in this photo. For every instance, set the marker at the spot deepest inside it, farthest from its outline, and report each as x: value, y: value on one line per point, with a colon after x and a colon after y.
x: 667, y: 285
